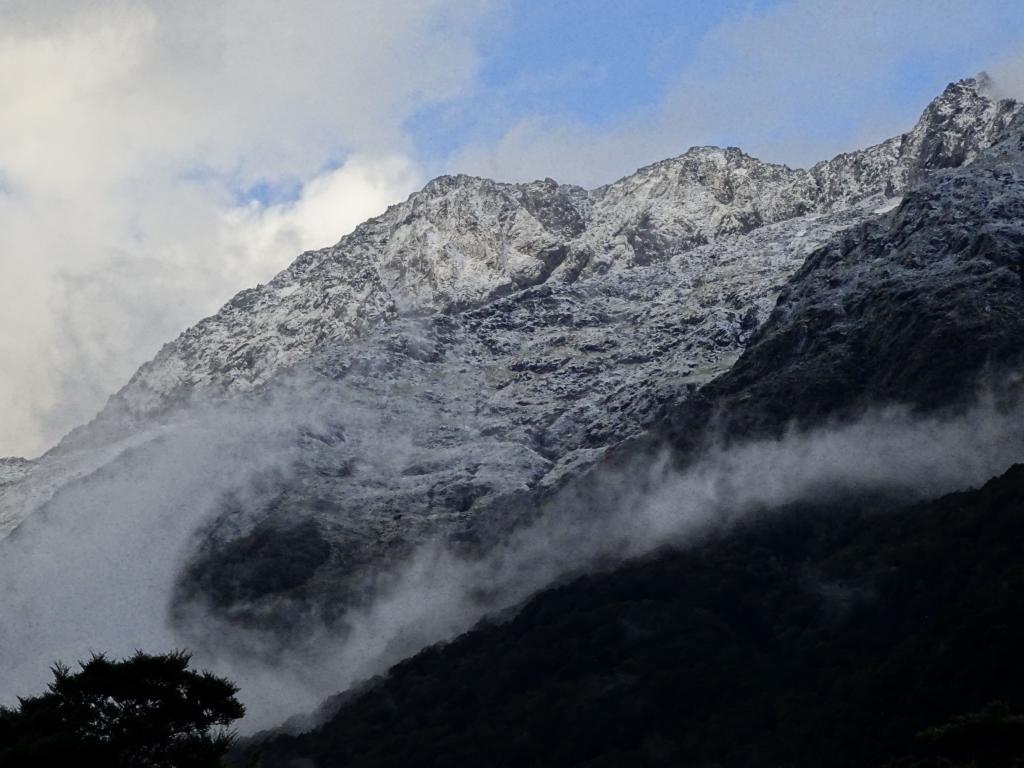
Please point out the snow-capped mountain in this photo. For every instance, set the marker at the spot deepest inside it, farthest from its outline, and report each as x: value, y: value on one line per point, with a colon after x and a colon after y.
x: 482, y: 343
x: 446, y: 424
x: 462, y: 241
x: 921, y: 305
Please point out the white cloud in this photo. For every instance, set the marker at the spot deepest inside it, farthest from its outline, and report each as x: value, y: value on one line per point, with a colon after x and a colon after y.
x: 127, y: 128
x: 1008, y: 75
x: 330, y: 205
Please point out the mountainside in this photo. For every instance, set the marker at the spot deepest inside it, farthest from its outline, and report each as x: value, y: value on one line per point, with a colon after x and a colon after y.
x: 462, y: 241
x: 826, y: 635
x: 461, y: 244
x: 483, y: 355
x: 464, y: 419
x: 920, y: 305
x: 506, y: 402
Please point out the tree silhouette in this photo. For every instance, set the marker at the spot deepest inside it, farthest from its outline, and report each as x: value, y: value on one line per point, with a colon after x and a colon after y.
x: 990, y: 738
x: 146, y: 711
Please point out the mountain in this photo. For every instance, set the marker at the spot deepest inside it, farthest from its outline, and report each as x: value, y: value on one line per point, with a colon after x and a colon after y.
x: 517, y: 395
x: 482, y: 355
x: 919, y: 305
x: 465, y: 419
x: 825, y: 635
x: 464, y: 241
x: 462, y: 244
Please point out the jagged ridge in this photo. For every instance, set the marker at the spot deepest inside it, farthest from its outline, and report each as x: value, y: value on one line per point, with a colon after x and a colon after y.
x: 506, y: 336
x: 463, y: 240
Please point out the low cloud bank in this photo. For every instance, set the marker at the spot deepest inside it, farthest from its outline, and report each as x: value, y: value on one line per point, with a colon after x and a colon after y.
x: 436, y: 595
x: 96, y: 570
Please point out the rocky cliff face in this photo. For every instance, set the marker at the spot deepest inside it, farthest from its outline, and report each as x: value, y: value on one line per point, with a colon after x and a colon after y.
x: 922, y: 304
x: 447, y: 425
x: 463, y: 241
x: 481, y: 343
x: 12, y: 470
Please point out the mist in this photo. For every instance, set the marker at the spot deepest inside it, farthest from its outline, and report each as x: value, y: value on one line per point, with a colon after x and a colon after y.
x: 436, y: 595
x: 95, y: 569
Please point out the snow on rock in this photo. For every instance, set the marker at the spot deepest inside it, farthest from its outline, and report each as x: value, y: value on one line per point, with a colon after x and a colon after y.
x: 484, y: 341
x: 444, y: 423
x: 462, y: 241
x: 922, y: 305
x: 13, y: 469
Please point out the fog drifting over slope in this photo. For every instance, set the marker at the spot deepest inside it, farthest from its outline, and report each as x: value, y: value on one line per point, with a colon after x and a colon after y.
x: 96, y: 570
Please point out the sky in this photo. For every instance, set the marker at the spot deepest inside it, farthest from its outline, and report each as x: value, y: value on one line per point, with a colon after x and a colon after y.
x: 155, y: 158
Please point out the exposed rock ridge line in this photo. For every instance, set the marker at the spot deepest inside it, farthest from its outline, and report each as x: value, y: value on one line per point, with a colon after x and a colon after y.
x: 462, y: 241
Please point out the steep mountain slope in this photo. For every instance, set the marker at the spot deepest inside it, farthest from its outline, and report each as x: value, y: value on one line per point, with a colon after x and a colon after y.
x: 828, y: 634
x: 462, y: 241
x: 450, y: 424
x: 514, y: 398
x: 448, y: 367
x: 922, y: 305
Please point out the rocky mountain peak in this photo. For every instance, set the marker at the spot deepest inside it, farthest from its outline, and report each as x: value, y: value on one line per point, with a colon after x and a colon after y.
x: 964, y: 94
x: 682, y: 203
x: 964, y: 120
x: 463, y: 241
x: 443, y: 370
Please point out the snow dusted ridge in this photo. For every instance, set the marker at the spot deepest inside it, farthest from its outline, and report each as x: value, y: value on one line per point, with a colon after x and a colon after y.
x: 445, y: 425
x: 461, y: 241
x: 12, y: 470
x: 506, y: 334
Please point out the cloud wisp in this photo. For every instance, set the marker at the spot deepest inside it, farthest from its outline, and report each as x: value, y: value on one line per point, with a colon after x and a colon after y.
x: 631, y: 512
x: 97, y: 569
